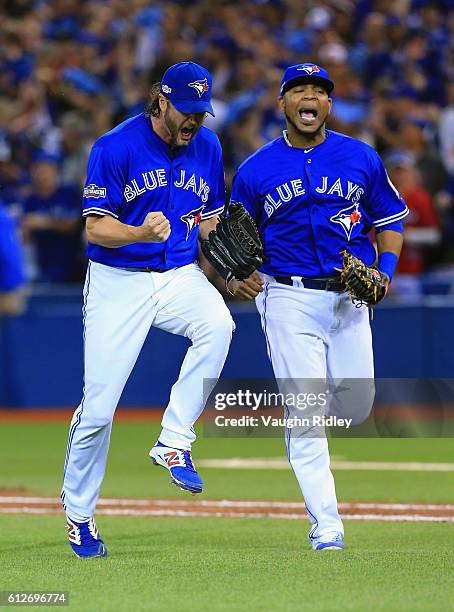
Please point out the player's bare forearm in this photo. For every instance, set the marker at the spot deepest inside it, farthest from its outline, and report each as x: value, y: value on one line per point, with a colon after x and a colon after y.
x: 108, y: 232
x: 389, y: 241
x: 111, y: 233
x: 247, y: 289
x: 206, y: 227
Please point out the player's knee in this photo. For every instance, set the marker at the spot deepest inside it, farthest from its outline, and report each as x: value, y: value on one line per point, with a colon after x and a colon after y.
x: 218, y: 327
x: 222, y: 328
x: 353, y: 400
x: 94, y: 415
x: 101, y: 422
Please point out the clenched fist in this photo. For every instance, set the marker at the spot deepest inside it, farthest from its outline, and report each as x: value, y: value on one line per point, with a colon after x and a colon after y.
x: 155, y: 228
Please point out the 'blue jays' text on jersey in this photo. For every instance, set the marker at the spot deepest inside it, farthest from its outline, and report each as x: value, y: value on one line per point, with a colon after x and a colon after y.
x: 310, y: 204
x: 132, y: 171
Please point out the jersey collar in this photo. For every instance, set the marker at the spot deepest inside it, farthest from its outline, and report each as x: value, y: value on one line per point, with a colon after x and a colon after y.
x: 288, y: 143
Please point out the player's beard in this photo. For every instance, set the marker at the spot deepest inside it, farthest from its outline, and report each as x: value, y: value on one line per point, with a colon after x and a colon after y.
x: 174, y: 130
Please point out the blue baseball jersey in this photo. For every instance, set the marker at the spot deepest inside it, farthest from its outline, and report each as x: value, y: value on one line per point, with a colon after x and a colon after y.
x: 12, y: 272
x: 132, y: 171
x: 310, y: 204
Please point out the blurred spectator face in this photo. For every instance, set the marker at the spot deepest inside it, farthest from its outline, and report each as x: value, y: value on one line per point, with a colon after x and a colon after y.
x: 45, y: 177
x: 412, y: 136
x: 395, y: 33
x: 374, y: 30
x: 401, y: 106
x: 249, y: 72
x: 12, y: 48
x: 430, y: 16
x: 73, y: 129
x: 89, y: 54
x: 416, y: 48
x: 342, y: 23
x: 403, y: 173
x: 31, y: 34
x: 450, y: 92
x: 65, y: 7
x: 402, y: 177
x: 30, y: 93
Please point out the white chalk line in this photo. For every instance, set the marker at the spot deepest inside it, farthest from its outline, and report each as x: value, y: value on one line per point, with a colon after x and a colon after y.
x: 413, y: 518
x: 225, y: 503
x: 219, y: 509
x: 278, y: 463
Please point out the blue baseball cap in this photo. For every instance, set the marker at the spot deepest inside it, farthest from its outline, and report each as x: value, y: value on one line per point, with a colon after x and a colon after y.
x: 400, y: 158
x: 305, y: 73
x: 188, y: 86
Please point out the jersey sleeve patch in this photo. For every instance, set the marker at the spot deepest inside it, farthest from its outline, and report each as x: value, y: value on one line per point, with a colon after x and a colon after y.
x: 93, y: 191
x: 103, y: 191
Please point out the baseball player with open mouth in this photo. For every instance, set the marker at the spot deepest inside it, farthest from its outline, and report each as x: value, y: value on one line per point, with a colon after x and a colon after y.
x: 315, y: 195
x: 154, y: 183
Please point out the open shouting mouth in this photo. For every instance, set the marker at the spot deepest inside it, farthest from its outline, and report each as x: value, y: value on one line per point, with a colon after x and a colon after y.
x: 308, y: 115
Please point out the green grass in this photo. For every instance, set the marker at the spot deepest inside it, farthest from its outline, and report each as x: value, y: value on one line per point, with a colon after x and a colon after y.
x: 38, y: 465
x: 213, y: 564
x: 219, y: 564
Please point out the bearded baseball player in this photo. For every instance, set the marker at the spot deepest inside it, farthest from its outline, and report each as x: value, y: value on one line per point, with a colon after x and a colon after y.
x: 154, y: 183
x: 315, y: 195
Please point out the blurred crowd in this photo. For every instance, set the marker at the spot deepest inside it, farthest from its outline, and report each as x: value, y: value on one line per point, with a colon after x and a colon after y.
x: 72, y: 69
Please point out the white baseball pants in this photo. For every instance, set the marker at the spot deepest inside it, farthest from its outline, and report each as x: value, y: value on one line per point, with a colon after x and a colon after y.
x: 119, y: 308
x: 316, y: 334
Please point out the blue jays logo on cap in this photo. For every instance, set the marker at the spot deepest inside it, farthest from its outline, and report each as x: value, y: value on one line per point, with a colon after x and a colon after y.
x: 305, y: 73
x: 188, y: 87
x: 200, y: 86
x: 309, y: 69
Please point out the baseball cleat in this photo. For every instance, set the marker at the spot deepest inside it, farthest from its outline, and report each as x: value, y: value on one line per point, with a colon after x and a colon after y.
x: 84, y: 539
x: 179, y: 463
x: 330, y: 542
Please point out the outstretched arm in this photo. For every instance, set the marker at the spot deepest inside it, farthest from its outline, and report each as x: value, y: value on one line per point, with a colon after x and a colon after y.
x: 111, y: 233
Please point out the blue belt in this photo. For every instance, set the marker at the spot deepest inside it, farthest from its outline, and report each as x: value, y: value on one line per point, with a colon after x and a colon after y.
x: 325, y: 284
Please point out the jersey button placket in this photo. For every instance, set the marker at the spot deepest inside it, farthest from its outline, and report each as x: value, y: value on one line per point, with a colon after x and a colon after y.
x: 312, y: 206
x: 170, y: 204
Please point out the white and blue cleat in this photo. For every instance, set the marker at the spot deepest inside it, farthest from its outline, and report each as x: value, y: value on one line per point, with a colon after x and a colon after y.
x: 84, y: 539
x: 331, y: 542
x: 179, y: 463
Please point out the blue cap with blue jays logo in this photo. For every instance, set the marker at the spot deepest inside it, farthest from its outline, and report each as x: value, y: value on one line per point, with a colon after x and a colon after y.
x: 188, y: 86
x: 305, y: 73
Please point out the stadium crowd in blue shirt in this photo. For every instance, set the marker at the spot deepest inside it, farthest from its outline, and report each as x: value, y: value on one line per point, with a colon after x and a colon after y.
x: 71, y: 71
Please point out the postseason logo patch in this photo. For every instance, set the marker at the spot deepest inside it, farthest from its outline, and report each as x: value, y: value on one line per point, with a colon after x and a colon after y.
x: 93, y: 191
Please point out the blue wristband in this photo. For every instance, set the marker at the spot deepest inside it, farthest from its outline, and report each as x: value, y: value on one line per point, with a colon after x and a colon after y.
x: 387, y: 263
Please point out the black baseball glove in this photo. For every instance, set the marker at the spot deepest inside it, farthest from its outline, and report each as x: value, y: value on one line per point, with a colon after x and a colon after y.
x: 364, y: 283
x: 234, y: 248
